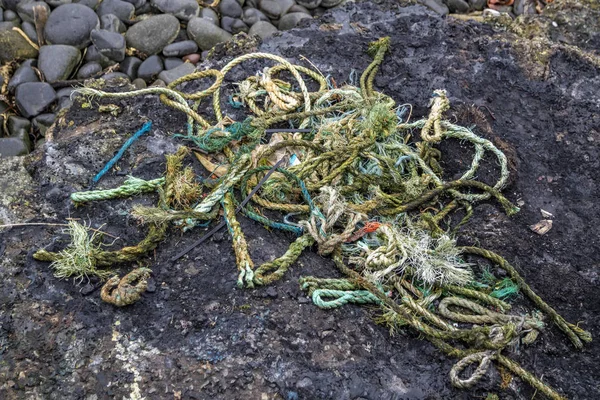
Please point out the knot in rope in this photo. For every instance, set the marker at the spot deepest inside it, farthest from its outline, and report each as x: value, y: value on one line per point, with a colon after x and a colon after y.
x: 128, y: 290
x: 439, y: 104
x: 484, y: 358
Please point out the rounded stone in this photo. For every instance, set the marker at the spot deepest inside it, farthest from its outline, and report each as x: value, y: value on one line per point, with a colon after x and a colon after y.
x: 88, y: 70
x: 309, y: 4
x: 262, y: 29
x: 25, y: 9
x: 92, y: 54
x: 122, y: 9
x: 43, y: 121
x: 110, y: 44
x: 71, y: 24
x: 331, y: 3
x: 111, y: 22
x: 192, y: 58
x: 437, y: 6
x: 230, y: 8
x: 30, y: 31
x: 139, y: 83
x: 209, y: 14
x: 206, y: 34
x: 23, y: 74
x: 477, y: 5
x: 150, y: 68
x: 151, y: 35
x: 32, y: 98
x: 252, y: 16
x: 182, y: 9
x: 172, y: 62
x: 457, y: 6
x: 130, y: 66
x: 289, y: 21
x: 271, y: 8
x: 180, y: 49
x: 173, y: 74
x: 57, y: 62
x: 13, y: 45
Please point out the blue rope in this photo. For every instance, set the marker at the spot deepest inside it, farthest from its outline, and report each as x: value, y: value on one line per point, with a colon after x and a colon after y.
x: 121, y: 151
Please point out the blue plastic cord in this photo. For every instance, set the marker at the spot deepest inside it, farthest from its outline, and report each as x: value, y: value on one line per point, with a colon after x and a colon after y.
x: 121, y: 151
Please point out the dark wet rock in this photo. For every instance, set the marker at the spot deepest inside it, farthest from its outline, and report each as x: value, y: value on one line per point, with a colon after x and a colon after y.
x: 13, y: 45
x: 109, y: 44
x: 310, y: 4
x: 139, y: 83
x: 252, y: 16
x: 230, y: 8
x: 519, y: 7
x: 1, y: 14
x: 57, y: 62
x: 159, y: 83
x: 17, y: 125
x: 65, y: 92
x: 151, y: 35
x: 18, y: 142
x: 88, y: 70
x: 233, y: 25
x: 130, y: 66
x: 263, y: 29
x: 24, y: 73
x: 182, y: 9
x: 477, y: 5
x: 297, y: 8
x: 289, y: 21
x: 87, y: 289
x: 457, y: 6
x: 172, y: 62
x: 123, y: 10
x: 92, y: 54
x: 30, y: 31
x: 437, y: 6
x: 12, y: 146
x: 93, y: 4
x: 112, y: 23
x: 286, y: 5
x: 25, y: 9
x: 271, y: 8
x: 43, y: 121
x: 137, y: 3
x: 180, y: 49
x: 176, y: 73
x: 32, y: 98
x: 193, y: 58
x: 71, y: 24
x: 209, y: 14
x: 150, y: 68
x: 206, y: 34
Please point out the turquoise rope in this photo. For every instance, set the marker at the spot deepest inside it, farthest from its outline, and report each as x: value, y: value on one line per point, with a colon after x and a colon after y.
x: 122, y: 151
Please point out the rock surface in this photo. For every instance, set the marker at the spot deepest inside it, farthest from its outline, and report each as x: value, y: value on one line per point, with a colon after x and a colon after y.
x: 71, y: 24
x: 151, y: 35
x: 58, y: 61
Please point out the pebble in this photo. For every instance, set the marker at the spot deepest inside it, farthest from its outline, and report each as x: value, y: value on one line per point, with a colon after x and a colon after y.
x: 176, y: 73
x: 457, y: 6
x: 209, y: 14
x: 297, y: 8
x: 263, y: 29
x: 57, y: 3
x: 130, y: 66
x: 310, y: 4
x: 24, y: 73
x: 92, y: 54
x: 172, y: 62
x: 43, y: 121
x: 159, y: 83
x: 182, y: 9
x: 151, y: 35
x: 180, y: 49
x: 252, y: 16
x: 110, y: 22
x: 93, y: 4
x: 30, y: 31
x: 32, y: 98
x: 25, y: 9
x: 206, y: 34
x: 1, y: 14
x: 150, y: 68
x: 71, y: 24
x: 88, y: 70
x: 13, y: 146
x: 57, y: 62
x: 137, y: 3
x: 10, y: 15
x: 115, y: 75
x: 286, y: 5
x: 109, y: 44
x: 477, y: 5
x: 18, y: 126
x: 330, y: 3
x: 437, y: 6
x: 519, y: 7
x: 13, y: 45
x: 233, y: 25
x: 193, y: 58
x: 230, y: 8
x: 289, y: 21
x: 270, y: 8
x: 122, y: 9
x: 139, y: 83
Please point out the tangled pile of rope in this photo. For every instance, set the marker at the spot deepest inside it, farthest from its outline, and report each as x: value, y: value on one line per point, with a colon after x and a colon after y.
x: 361, y: 186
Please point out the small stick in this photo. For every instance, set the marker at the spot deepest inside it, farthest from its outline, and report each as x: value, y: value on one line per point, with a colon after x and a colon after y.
x: 223, y: 223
